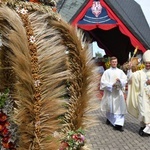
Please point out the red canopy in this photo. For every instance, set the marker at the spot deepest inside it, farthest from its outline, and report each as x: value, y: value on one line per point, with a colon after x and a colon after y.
x: 86, y: 21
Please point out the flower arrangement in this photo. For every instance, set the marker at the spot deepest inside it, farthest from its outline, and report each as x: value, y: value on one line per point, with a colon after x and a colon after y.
x: 74, y: 140
x: 107, y: 64
x: 6, y: 137
x: 140, y: 66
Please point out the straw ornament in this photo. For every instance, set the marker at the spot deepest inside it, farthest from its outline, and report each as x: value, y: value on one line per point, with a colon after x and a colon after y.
x: 35, y: 40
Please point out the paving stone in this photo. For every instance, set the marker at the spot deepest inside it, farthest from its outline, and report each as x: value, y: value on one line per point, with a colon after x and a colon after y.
x: 103, y: 137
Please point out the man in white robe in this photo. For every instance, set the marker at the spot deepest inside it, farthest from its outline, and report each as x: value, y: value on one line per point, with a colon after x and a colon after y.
x: 138, y: 98
x: 113, y: 82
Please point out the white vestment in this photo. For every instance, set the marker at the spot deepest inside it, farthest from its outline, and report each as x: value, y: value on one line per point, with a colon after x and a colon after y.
x: 138, y: 99
x: 113, y: 101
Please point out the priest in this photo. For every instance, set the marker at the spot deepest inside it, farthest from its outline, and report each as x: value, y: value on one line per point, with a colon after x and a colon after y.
x: 138, y: 98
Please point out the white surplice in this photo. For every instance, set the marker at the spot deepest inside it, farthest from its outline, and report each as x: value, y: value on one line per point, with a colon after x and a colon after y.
x: 113, y: 101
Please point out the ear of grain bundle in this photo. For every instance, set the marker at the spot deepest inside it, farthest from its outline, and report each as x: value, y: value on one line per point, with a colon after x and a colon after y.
x: 36, y: 69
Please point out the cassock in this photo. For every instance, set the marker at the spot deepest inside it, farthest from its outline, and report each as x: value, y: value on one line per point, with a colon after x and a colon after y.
x: 113, y: 101
x: 138, y: 99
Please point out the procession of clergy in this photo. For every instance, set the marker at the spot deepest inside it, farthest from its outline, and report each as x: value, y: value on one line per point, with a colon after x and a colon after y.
x: 137, y: 103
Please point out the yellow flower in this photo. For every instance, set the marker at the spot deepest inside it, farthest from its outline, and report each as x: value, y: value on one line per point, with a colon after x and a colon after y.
x: 107, y: 64
x: 141, y: 66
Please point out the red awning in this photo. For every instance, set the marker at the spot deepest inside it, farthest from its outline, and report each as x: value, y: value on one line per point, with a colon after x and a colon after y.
x: 124, y: 30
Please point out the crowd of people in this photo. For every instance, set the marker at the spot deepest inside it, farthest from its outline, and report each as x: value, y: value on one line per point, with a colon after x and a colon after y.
x: 113, y: 82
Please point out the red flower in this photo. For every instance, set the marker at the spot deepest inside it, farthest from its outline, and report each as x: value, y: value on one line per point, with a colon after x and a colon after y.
x: 3, y: 117
x: 35, y: 1
x: 7, y: 124
x: 5, y: 145
x: 5, y: 139
x: 75, y: 137
x: 1, y: 127
x: 63, y: 146
x: 5, y: 132
x: 11, y: 146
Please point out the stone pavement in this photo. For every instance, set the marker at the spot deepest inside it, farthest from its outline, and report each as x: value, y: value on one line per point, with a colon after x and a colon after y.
x: 104, y: 137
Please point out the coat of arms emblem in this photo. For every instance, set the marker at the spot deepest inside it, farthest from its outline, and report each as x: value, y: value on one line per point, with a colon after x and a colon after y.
x: 96, y: 8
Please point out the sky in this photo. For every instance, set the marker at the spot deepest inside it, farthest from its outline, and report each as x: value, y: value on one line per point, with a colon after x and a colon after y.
x: 145, y: 5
